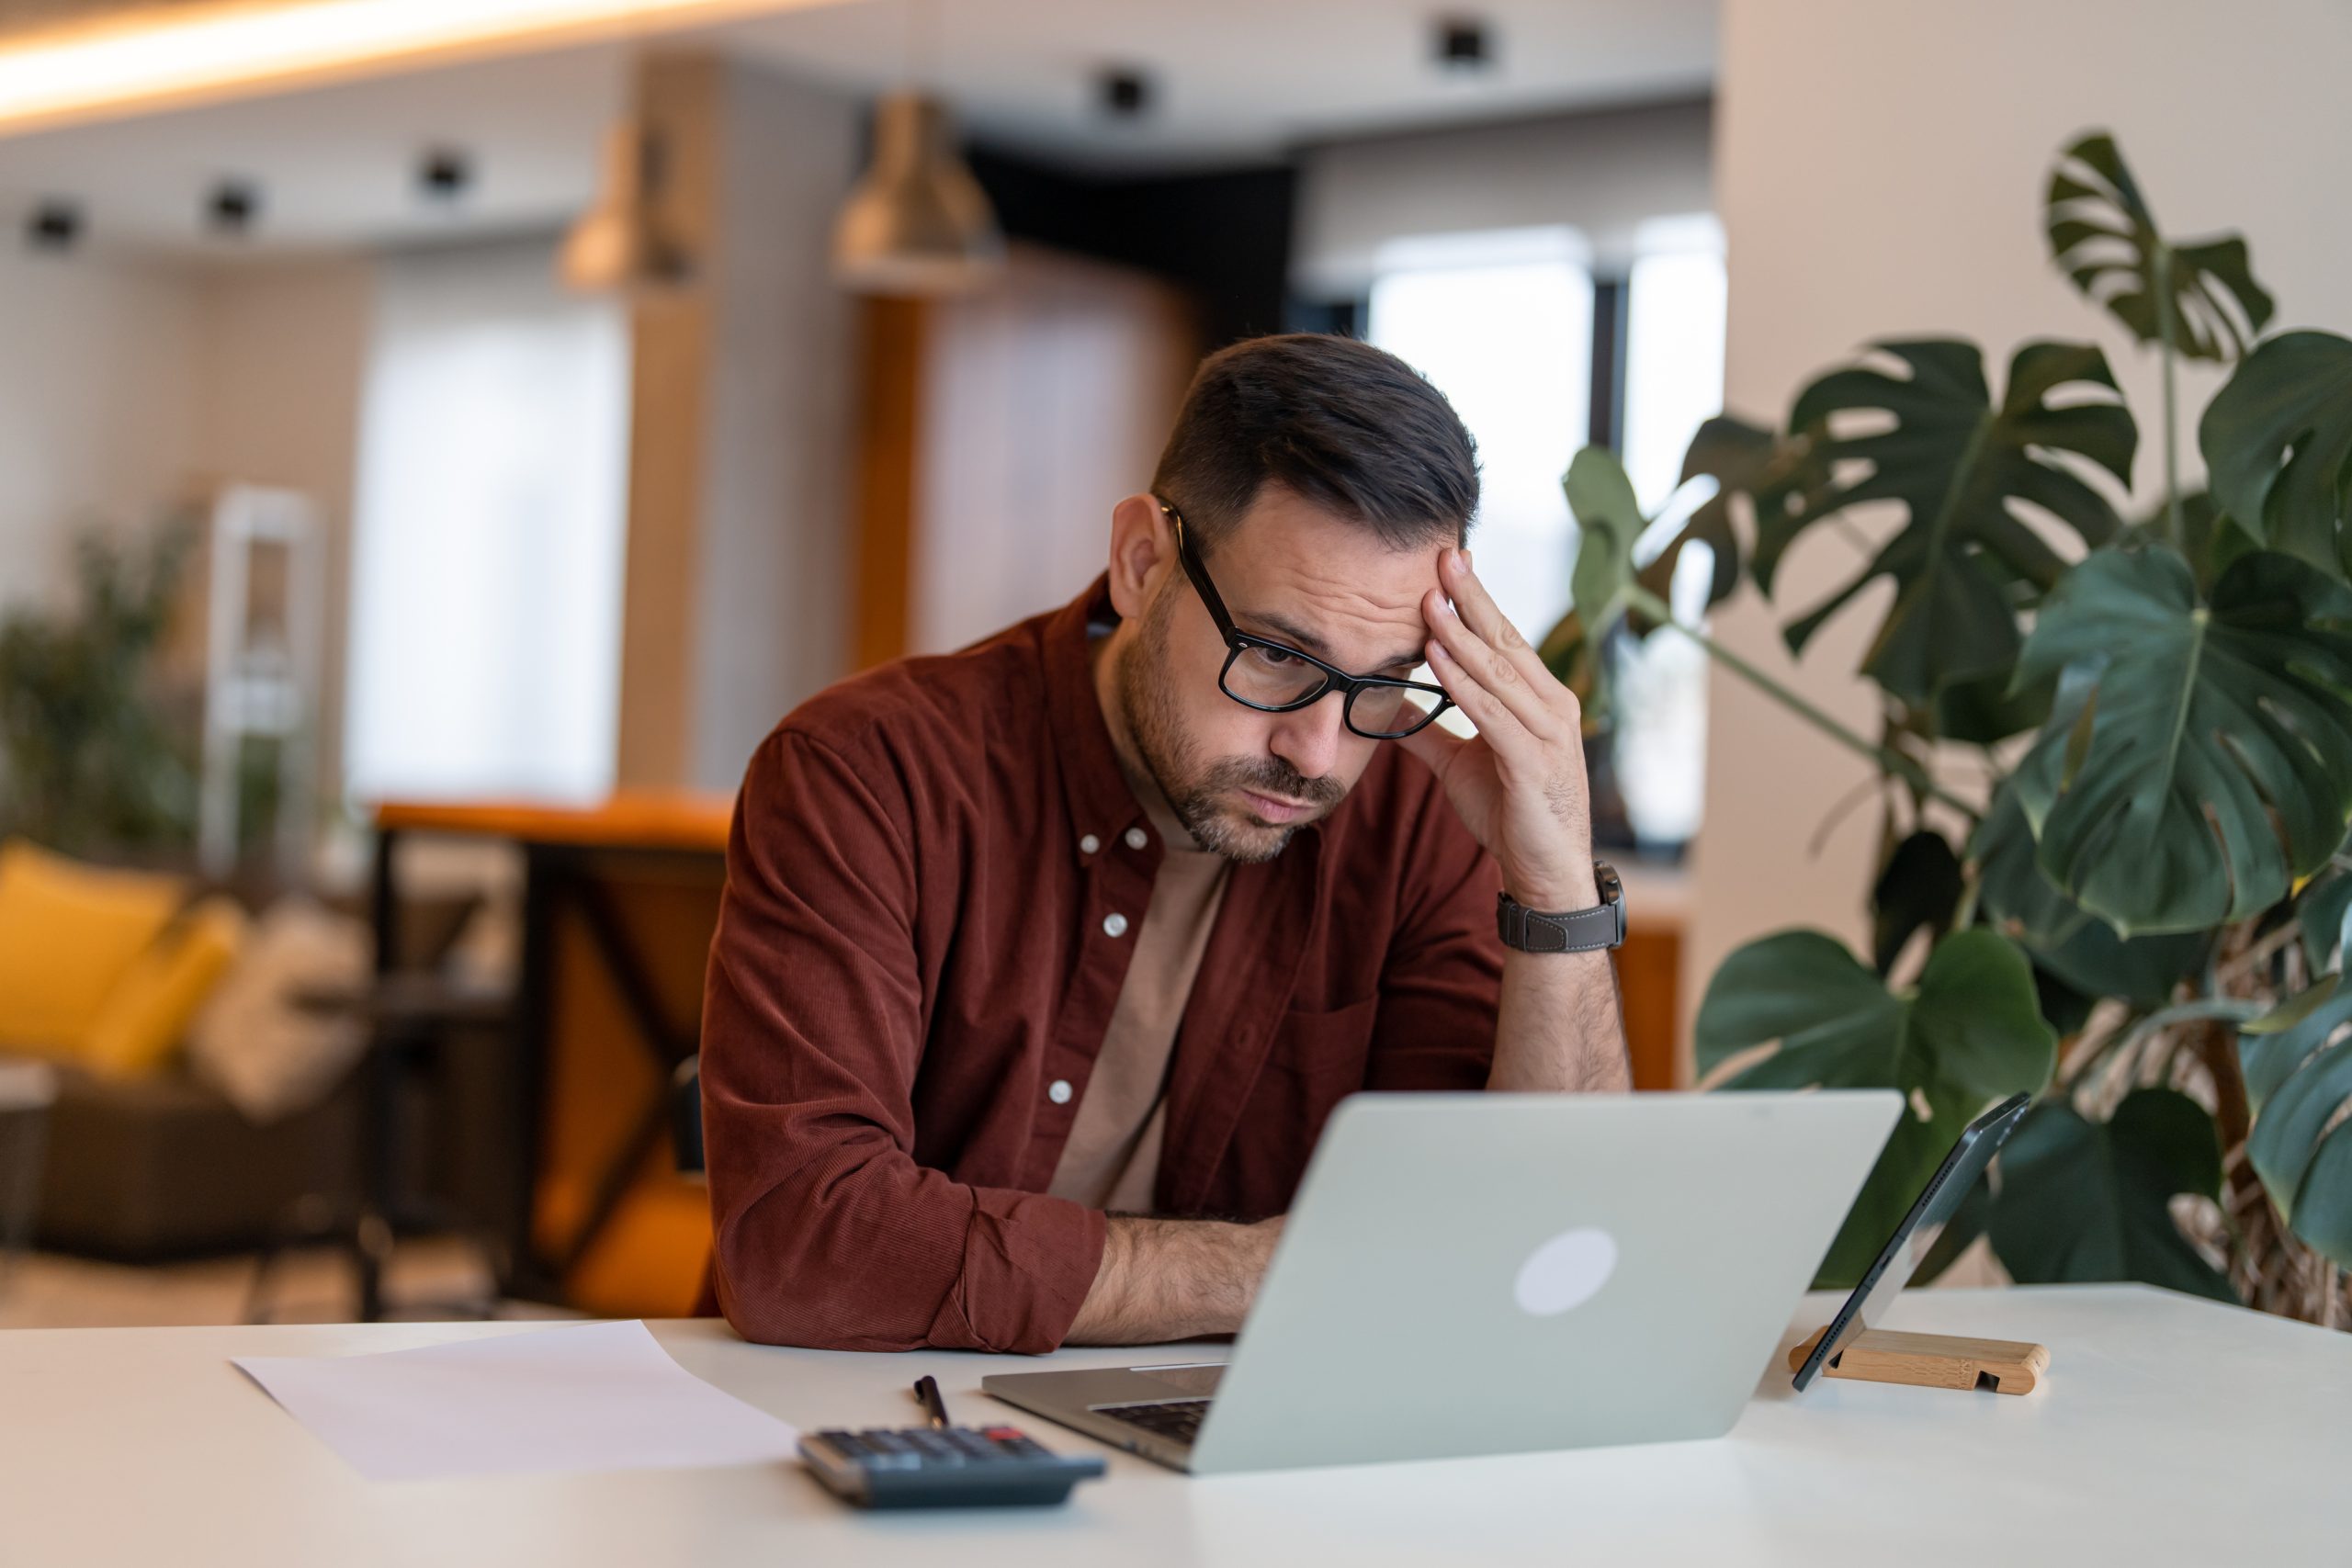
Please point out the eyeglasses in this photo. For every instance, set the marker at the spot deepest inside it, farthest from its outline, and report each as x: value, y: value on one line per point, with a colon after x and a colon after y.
x: 1273, y: 677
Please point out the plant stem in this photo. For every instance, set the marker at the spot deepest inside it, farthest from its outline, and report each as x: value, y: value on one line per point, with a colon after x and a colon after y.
x: 1888, y: 759
x: 1971, y: 886
x: 2174, y: 529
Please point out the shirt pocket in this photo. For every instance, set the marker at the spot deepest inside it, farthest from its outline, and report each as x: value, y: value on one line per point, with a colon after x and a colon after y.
x: 1319, y: 1057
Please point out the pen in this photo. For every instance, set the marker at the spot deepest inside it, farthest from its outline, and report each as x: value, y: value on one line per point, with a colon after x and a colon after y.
x: 927, y: 1390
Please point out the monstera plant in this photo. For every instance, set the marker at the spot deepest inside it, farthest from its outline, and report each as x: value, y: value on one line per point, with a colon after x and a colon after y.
x: 2115, y: 766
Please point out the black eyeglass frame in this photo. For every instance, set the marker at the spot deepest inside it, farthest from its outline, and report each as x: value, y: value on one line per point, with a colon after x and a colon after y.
x: 1238, y: 642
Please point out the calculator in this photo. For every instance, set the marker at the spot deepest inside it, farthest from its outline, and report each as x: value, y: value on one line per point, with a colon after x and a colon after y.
x: 942, y: 1465
x: 954, y: 1467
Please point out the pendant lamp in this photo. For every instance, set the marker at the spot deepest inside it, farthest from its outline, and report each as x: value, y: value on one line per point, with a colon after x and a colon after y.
x: 618, y: 243
x: 918, y: 223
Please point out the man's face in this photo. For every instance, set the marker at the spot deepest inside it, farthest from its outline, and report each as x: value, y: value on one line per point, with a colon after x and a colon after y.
x: 1240, y: 780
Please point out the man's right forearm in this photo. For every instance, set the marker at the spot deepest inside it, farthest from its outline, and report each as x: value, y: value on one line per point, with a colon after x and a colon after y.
x: 1163, y: 1280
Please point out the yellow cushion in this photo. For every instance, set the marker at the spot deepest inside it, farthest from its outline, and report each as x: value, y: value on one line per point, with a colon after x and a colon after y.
x: 146, y: 1016
x: 68, y: 933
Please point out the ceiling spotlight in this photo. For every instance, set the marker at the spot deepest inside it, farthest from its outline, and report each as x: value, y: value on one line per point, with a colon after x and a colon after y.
x: 232, y: 207
x: 53, y: 226
x: 1463, y: 44
x: 444, y: 173
x: 1126, y: 94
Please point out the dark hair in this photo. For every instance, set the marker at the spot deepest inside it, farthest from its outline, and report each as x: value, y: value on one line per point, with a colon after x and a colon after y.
x: 1347, y: 426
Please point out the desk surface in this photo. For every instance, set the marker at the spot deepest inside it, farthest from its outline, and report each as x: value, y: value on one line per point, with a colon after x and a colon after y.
x: 2170, y: 1430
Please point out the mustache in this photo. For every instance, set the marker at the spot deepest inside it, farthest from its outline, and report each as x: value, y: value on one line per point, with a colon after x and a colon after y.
x: 1272, y: 775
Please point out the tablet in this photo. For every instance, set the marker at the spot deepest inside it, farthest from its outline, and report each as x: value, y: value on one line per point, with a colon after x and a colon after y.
x: 1961, y: 1170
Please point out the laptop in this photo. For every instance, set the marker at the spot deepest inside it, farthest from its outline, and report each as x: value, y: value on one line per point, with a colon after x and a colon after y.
x: 1499, y: 1273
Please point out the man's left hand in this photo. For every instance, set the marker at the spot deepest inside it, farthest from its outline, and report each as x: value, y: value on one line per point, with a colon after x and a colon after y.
x: 1520, y: 784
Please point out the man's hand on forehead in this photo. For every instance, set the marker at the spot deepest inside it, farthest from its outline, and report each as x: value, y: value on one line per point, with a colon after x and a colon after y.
x: 1520, y: 784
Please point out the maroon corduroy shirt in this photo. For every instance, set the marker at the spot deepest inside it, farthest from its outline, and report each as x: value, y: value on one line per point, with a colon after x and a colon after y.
x: 932, y: 887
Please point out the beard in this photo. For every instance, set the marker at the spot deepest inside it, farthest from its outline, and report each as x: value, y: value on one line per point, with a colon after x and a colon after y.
x: 1195, y: 789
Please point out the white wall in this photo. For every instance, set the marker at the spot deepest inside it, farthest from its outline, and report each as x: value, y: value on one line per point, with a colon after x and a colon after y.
x: 1879, y: 173
x: 284, y: 350
x: 99, y: 371
x: 773, y: 596
x: 131, y: 386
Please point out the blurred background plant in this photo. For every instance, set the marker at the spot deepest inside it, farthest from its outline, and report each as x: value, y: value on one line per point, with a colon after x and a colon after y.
x: 96, y: 758
x: 2113, y: 771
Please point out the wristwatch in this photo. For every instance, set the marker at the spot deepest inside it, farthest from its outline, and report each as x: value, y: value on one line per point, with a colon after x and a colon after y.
x: 1595, y: 930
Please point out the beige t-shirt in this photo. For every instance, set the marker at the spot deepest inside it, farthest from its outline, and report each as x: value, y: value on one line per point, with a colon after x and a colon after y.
x: 1111, y: 1159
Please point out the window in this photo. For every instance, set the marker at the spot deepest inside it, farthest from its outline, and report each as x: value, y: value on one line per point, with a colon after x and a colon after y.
x: 1675, y: 296
x: 1502, y: 322
x: 488, y: 533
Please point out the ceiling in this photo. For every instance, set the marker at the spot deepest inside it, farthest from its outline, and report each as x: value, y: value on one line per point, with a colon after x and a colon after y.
x: 1242, y: 78
x: 1232, y: 81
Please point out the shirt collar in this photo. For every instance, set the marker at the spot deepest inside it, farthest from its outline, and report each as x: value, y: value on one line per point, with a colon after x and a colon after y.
x: 1093, y: 784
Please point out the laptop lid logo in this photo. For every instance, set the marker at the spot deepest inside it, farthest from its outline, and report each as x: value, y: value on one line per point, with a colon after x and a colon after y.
x: 1566, y: 1272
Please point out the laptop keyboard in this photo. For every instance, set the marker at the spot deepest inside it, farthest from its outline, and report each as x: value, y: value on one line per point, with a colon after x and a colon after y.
x: 1177, y: 1418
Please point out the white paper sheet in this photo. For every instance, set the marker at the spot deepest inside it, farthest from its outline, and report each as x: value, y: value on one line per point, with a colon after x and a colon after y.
x: 590, y: 1396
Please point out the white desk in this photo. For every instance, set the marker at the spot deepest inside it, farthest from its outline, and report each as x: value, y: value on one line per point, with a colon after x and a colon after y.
x: 2170, y: 1430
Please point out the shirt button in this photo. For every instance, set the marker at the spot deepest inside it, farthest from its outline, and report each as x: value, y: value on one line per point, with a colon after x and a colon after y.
x: 1114, y: 924
x: 1058, y: 1092
x: 1137, y: 838
x: 1089, y: 844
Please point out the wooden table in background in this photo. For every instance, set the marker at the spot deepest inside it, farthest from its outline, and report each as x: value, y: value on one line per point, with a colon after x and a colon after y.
x: 619, y: 904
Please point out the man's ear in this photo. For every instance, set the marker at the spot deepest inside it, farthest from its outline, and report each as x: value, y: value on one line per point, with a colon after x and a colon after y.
x: 1142, y: 552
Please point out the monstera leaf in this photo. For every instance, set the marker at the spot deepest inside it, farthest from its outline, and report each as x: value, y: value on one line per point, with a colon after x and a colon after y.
x: 1958, y: 463
x: 1983, y: 710
x: 2103, y: 236
x: 1967, y: 1034
x: 1917, y: 889
x: 2069, y: 943
x: 2298, y: 1073
x: 2208, y: 761
x: 2278, y: 445
x: 2323, y: 910
x: 1743, y: 459
x: 1609, y: 521
x: 2086, y: 1200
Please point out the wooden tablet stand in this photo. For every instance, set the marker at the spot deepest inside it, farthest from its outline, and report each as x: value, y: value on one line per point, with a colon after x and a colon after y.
x: 1933, y: 1360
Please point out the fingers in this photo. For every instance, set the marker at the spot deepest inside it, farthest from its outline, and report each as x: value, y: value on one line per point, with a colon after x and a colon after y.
x: 1488, y: 649
x: 1483, y: 616
x: 1497, y: 724
x: 1493, y: 671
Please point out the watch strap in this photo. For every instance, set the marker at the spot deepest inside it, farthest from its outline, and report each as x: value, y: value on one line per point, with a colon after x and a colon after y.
x: 1592, y: 930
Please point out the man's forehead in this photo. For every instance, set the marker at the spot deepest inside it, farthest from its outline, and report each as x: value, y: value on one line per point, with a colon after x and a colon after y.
x: 1326, y: 583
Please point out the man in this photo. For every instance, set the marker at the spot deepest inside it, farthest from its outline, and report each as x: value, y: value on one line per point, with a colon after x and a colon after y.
x: 1041, y: 964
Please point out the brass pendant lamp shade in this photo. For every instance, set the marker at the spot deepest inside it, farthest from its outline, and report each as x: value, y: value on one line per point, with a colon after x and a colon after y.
x: 618, y: 243
x: 918, y: 222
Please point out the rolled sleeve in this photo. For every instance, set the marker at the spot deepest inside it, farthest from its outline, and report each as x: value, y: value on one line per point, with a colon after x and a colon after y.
x: 829, y: 1233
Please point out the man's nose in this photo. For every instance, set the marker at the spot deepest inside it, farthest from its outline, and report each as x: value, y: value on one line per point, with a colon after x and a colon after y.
x: 1310, y: 738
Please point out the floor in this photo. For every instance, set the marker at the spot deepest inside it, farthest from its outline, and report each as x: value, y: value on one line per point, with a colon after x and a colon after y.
x: 429, y: 1278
